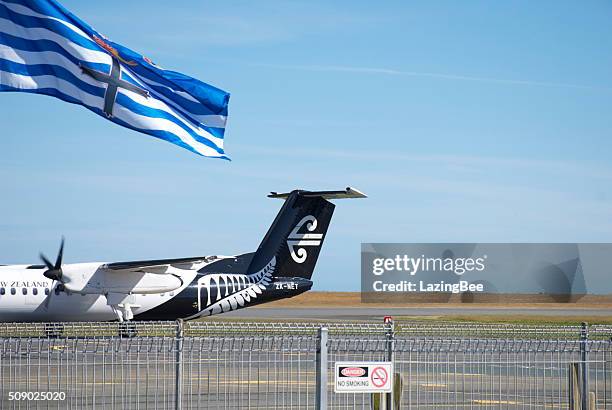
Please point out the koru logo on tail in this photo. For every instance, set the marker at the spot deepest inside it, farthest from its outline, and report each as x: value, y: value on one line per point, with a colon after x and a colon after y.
x: 297, y: 240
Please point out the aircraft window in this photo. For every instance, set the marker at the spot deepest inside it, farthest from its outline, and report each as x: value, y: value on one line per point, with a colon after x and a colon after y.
x: 24, y: 291
x: 13, y: 291
x: 47, y: 291
x: 171, y: 293
x: 2, y: 291
x: 35, y: 291
x: 57, y: 291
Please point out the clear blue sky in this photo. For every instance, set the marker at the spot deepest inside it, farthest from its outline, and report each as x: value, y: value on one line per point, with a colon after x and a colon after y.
x: 463, y: 121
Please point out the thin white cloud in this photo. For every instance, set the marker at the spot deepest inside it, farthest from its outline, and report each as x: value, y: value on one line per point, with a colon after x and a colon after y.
x: 442, y: 76
x: 464, y: 162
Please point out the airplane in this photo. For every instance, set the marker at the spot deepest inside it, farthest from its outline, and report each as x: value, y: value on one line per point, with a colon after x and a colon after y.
x: 185, y: 288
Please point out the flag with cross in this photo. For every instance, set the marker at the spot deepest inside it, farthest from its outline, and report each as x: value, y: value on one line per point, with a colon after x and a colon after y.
x: 45, y: 49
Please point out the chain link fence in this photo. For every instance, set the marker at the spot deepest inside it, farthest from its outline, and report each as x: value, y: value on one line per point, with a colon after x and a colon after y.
x: 235, y: 365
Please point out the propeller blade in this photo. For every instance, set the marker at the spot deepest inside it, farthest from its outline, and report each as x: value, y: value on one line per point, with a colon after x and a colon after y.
x: 51, y: 292
x: 54, y: 272
x: 48, y: 263
x: 60, y: 255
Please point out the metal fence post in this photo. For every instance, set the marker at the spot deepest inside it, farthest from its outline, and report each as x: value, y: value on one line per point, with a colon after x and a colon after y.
x: 574, y: 385
x: 179, y: 364
x: 321, y: 371
x: 584, y: 355
x: 390, y: 405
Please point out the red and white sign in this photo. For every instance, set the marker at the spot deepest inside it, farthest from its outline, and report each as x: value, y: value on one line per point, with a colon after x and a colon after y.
x: 379, y: 377
x: 353, y: 371
x: 363, y: 377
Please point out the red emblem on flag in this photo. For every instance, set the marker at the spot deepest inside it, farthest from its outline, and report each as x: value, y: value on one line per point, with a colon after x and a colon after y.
x: 112, y: 51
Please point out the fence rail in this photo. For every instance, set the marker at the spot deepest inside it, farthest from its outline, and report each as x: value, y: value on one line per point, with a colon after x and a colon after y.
x: 227, y: 365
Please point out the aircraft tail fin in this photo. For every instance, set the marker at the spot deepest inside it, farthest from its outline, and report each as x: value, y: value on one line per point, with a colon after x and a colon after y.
x: 298, y: 231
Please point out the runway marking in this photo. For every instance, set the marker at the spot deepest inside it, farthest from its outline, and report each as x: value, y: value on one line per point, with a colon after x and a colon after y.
x: 487, y: 402
x: 433, y: 385
x: 465, y: 374
x: 203, y: 360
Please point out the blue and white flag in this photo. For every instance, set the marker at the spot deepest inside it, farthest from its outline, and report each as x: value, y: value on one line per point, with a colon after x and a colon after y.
x: 45, y: 49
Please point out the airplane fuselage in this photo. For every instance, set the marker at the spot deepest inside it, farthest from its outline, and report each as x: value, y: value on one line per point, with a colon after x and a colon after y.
x: 212, y: 288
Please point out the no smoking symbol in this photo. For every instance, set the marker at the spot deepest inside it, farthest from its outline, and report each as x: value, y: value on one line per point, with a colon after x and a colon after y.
x: 379, y: 377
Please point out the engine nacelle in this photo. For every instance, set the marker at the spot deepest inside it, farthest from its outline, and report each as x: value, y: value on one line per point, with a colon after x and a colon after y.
x: 88, y: 278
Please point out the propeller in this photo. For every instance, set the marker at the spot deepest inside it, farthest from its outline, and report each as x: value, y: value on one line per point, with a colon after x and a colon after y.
x: 54, y: 272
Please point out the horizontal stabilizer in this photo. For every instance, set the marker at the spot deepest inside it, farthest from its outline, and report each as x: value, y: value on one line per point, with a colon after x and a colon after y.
x: 347, y: 193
